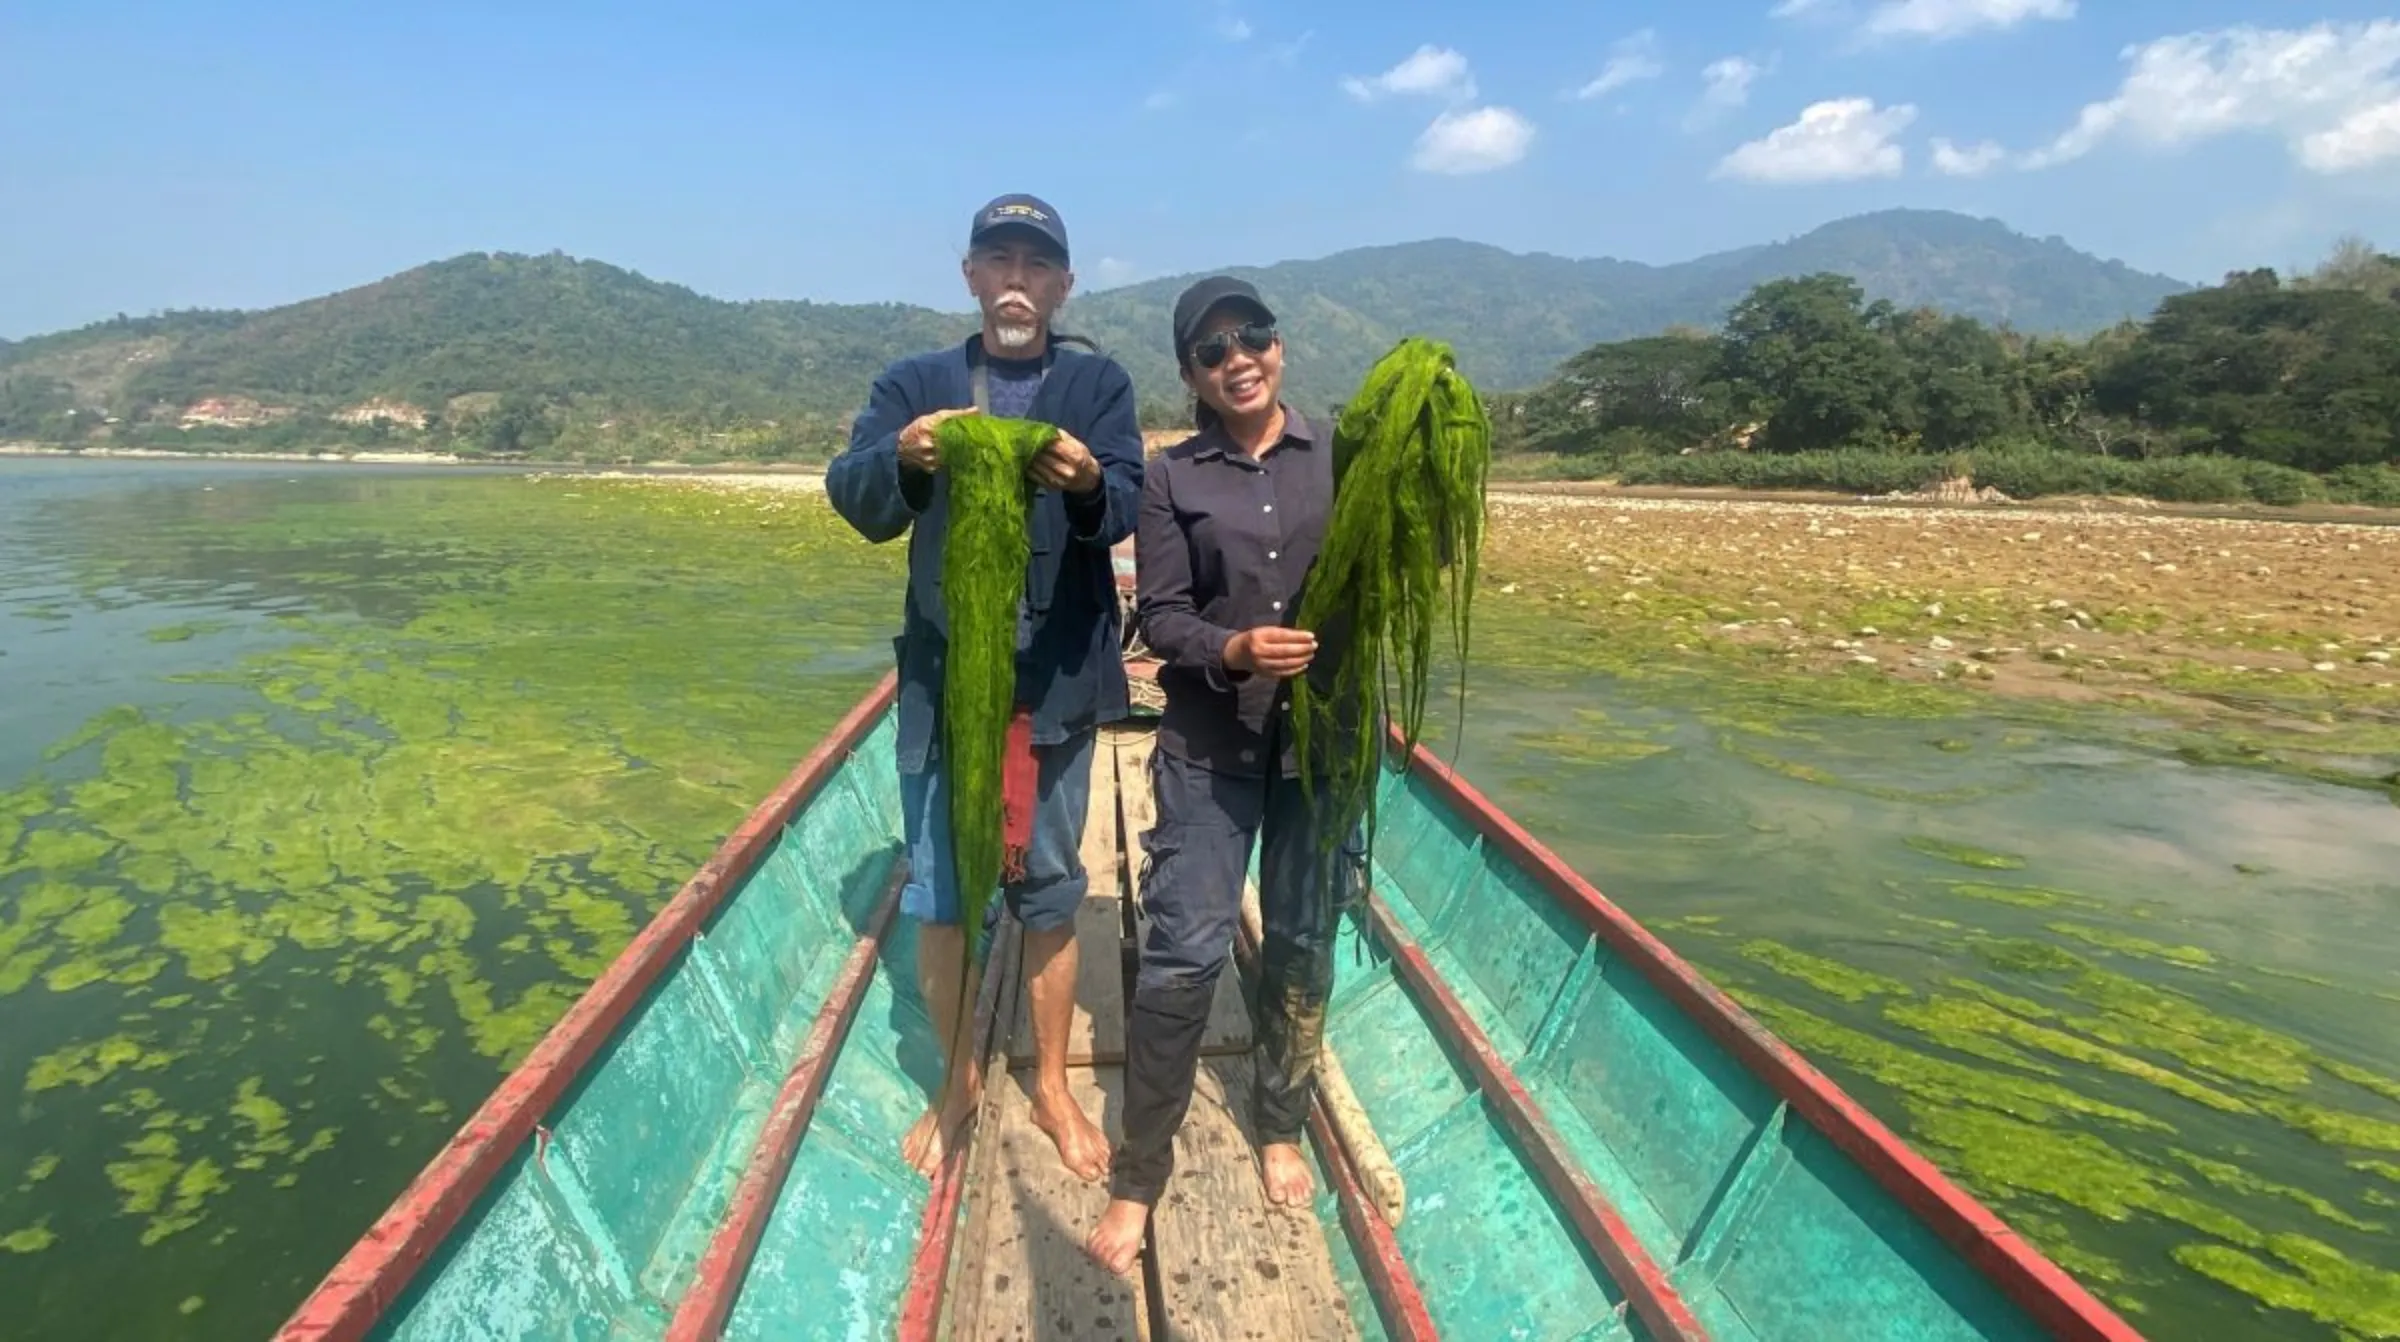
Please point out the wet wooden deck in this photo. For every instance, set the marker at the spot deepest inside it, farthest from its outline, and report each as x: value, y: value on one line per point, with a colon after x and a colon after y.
x: 1220, y: 1263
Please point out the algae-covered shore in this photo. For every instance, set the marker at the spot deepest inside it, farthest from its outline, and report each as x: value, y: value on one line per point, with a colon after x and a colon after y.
x: 337, y: 786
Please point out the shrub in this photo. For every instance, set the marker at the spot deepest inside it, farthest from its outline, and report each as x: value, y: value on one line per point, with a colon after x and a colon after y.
x: 2378, y: 486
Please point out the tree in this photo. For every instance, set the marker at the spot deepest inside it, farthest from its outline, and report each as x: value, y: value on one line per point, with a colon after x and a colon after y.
x: 1660, y: 392
x: 1801, y: 354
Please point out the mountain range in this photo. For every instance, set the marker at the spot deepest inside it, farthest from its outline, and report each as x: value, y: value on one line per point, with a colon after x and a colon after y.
x: 586, y: 334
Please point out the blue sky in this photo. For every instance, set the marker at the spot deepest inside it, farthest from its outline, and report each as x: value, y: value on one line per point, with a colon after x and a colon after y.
x: 209, y: 154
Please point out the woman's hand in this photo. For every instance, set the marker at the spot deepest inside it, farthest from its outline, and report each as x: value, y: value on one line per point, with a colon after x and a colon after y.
x: 1271, y: 650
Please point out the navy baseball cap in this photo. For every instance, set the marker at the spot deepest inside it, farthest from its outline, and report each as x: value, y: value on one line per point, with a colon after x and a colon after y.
x: 1205, y: 297
x: 1019, y: 211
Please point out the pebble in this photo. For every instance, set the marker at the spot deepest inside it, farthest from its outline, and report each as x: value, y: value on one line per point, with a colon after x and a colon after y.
x: 1864, y: 659
x: 2379, y: 657
x: 1868, y: 632
x: 2323, y: 666
x: 1939, y: 643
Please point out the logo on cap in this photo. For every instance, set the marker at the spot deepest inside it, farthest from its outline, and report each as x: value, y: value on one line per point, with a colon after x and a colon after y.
x: 1016, y: 210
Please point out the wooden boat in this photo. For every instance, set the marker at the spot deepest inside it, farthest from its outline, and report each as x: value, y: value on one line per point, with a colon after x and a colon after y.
x: 1538, y: 1122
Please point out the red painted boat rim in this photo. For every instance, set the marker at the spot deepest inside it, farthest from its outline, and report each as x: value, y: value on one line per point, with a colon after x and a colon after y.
x: 378, y: 1268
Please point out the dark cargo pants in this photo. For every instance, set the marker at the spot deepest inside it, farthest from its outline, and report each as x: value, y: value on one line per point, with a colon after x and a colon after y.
x: 1198, y: 857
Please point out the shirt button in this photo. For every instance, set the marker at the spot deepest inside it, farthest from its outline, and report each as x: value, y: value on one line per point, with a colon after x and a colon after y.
x: 1270, y: 507
x: 1278, y: 605
x: 1271, y: 554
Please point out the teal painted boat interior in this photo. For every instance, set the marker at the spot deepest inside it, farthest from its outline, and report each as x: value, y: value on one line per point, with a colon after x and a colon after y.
x: 598, y: 1238
x: 1767, y: 1230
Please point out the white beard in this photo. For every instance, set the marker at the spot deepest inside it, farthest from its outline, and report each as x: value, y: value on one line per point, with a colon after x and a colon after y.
x: 1015, y: 337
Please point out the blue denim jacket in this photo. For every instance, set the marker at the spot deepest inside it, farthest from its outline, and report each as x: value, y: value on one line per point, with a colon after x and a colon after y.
x: 1069, y: 668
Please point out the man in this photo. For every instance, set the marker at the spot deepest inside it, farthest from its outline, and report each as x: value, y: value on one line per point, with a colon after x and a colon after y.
x: 1069, y: 674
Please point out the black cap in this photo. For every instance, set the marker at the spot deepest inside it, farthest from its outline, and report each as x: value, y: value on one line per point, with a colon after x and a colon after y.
x: 1204, y: 297
x: 1019, y: 211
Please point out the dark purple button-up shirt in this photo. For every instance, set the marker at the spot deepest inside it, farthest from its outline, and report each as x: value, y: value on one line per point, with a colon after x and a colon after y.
x: 1225, y: 543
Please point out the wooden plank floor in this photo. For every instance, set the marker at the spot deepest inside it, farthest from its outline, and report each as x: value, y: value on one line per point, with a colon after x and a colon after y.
x: 1226, y: 1264
x: 1232, y: 1266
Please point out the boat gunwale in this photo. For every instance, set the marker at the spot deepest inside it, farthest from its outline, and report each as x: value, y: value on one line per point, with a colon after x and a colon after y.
x: 2022, y: 1272
x: 379, y: 1267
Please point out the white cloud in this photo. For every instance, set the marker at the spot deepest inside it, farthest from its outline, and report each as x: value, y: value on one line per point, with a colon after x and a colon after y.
x: 1432, y: 70
x: 1792, y: 9
x: 2367, y: 136
x: 1476, y: 141
x: 1630, y: 61
x: 1941, y: 20
x: 1159, y: 101
x: 1728, y: 82
x: 2331, y: 91
x: 1838, y: 140
x: 1110, y: 272
x: 1973, y: 161
x: 1234, y: 29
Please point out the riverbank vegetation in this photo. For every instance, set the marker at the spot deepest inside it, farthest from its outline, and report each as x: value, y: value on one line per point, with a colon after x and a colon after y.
x: 2262, y: 389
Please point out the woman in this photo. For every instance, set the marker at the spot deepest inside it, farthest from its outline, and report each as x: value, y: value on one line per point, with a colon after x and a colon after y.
x: 1231, y: 520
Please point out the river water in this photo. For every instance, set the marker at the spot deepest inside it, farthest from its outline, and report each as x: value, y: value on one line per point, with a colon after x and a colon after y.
x: 323, y: 789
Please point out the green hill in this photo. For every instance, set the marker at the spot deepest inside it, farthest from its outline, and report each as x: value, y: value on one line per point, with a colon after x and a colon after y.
x: 1514, y: 318
x: 559, y: 341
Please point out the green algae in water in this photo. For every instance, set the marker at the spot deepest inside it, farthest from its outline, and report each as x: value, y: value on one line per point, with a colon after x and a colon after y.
x: 487, y: 742
x: 2239, y: 1180
x: 191, y: 1305
x: 1826, y: 976
x: 2190, y: 957
x: 31, y: 1239
x: 91, y: 1063
x: 2384, y: 1168
x: 1965, y: 855
x: 2021, y: 896
x: 2003, y: 1157
x: 2327, y: 1287
x: 1955, y: 1020
x: 2021, y: 955
x: 2335, y: 1127
x: 1935, y: 1079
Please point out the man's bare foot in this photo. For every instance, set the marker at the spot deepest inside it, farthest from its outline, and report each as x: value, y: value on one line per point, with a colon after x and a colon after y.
x: 1289, y: 1184
x: 1081, y: 1147
x: 929, y: 1140
x: 1118, y: 1237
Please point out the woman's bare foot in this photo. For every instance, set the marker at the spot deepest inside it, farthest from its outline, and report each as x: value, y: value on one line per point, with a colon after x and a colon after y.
x: 928, y: 1141
x: 1118, y: 1238
x: 1289, y: 1184
x: 1081, y: 1146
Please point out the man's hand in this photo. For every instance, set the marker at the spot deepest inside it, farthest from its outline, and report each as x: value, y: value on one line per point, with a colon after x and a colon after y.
x: 1271, y: 650
x: 918, y: 451
x: 1065, y: 465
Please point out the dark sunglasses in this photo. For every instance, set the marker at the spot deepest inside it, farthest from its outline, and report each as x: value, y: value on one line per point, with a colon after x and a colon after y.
x: 1256, y: 337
